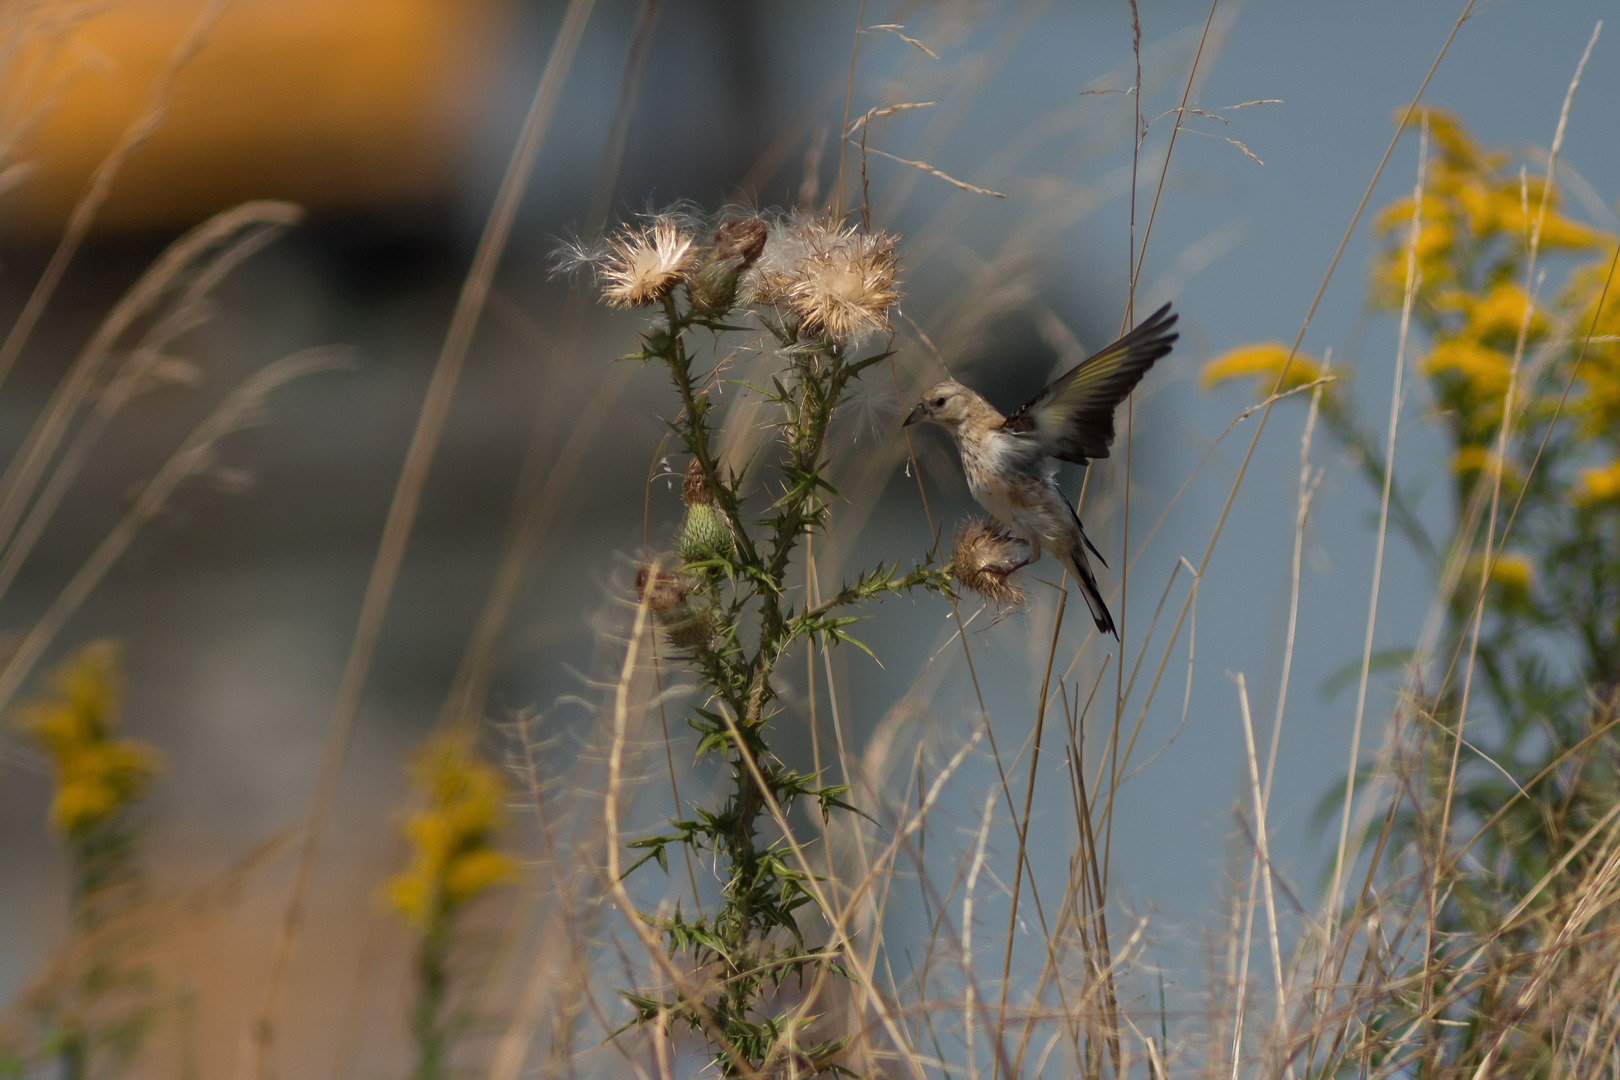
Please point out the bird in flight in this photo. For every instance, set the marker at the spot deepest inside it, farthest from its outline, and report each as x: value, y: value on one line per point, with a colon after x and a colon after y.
x: 1010, y: 460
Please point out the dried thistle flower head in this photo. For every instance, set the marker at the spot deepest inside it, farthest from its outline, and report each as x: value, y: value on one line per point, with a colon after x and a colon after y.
x: 767, y: 282
x: 845, y: 284
x: 642, y: 265
x: 984, y: 557
x: 742, y: 239
x: 668, y: 597
x: 694, y: 492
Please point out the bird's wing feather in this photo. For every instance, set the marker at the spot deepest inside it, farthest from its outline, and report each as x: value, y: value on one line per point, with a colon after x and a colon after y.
x: 1073, y: 418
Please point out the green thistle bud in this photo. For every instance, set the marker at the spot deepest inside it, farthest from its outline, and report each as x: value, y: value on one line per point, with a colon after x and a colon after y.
x: 704, y: 534
x: 712, y: 286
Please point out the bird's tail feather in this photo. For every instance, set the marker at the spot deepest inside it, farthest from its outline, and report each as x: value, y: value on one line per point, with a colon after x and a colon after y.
x: 1080, y: 567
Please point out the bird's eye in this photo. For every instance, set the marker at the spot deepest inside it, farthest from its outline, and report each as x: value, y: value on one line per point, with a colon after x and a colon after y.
x: 939, y: 403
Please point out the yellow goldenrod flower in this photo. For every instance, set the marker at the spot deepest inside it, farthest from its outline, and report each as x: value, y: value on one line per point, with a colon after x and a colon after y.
x: 1484, y: 372
x: 643, y: 265
x: 1471, y: 459
x: 1479, y: 202
x: 1598, y: 406
x: 1458, y: 151
x: 1599, y: 484
x: 97, y: 776
x: 1265, y: 361
x: 1510, y: 204
x: 1512, y: 573
x: 473, y: 872
x: 452, y: 834
x: 1500, y: 313
x: 1481, y: 461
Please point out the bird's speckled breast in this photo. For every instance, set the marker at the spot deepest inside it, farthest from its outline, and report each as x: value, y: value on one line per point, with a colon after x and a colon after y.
x: 1001, y: 477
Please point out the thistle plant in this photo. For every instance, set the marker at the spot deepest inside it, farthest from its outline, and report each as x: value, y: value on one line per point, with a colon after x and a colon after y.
x: 728, y: 597
x: 454, y: 861
x: 98, y: 1012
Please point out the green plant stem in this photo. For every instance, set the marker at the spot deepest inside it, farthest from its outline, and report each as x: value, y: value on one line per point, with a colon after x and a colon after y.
x: 752, y: 943
x: 432, y: 984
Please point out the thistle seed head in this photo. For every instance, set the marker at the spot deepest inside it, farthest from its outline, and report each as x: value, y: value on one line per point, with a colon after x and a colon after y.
x: 984, y: 558
x: 663, y: 592
x: 642, y: 265
x: 845, y: 284
x: 668, y: 597
x: 768, y: 281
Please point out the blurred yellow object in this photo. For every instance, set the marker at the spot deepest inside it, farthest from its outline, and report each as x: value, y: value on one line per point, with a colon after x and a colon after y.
x: 1263, y: 361
x: 1511, y: 572
x: 452, y: 834
x: 329, y: 103
x: 1600, y: 484
x: 97, y: 775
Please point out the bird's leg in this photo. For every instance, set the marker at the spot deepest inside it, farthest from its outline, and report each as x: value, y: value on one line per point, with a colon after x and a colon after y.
x: 1034, y: 553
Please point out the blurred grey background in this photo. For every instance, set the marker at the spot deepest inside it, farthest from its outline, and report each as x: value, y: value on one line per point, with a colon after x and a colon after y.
x: 236, y: 609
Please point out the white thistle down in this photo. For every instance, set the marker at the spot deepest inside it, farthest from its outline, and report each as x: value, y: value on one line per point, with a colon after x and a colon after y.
x: 837, y: 282
x: 845, y: 284
x: 642, y: 265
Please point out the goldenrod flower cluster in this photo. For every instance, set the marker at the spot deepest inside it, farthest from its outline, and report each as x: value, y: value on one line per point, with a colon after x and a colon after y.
x: 452, y: 835
x: 97, y: 775
x: 1264, y: 362
x: 1511, y: 572
x: 1597, y: 406
x: 1475, y: 224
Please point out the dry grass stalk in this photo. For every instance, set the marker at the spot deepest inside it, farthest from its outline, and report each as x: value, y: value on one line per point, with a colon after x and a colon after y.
x: 84, y: 212
x: 197, y: 456
x: 407, y: 496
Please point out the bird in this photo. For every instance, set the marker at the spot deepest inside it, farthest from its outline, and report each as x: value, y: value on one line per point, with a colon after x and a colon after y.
x: 1011, y: 462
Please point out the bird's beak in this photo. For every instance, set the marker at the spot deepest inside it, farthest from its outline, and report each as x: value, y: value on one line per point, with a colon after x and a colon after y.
x: 916, y: 415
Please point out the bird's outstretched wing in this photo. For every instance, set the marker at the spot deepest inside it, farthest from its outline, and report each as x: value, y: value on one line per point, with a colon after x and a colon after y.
x: 1073, y: 418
